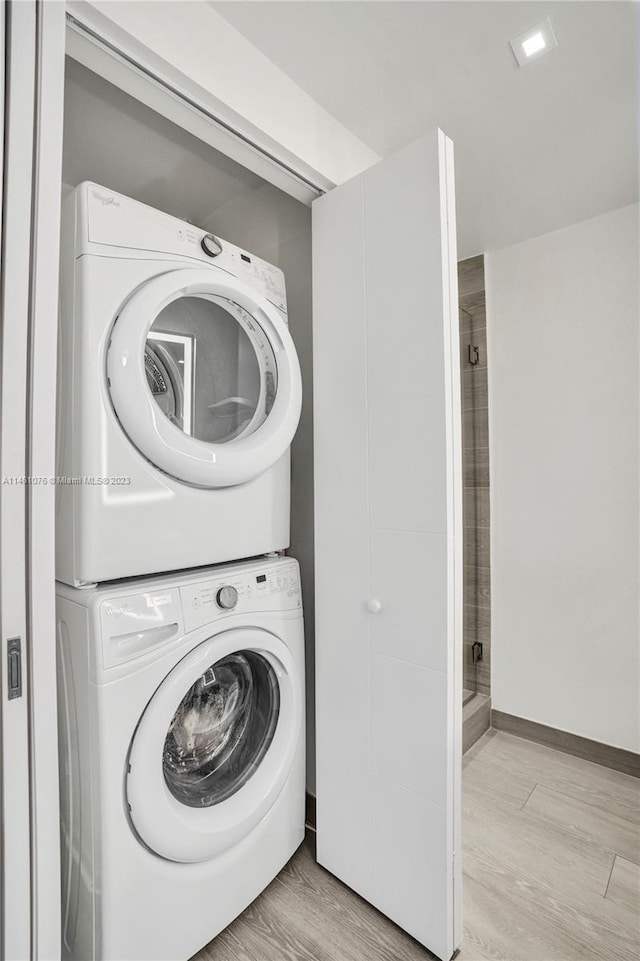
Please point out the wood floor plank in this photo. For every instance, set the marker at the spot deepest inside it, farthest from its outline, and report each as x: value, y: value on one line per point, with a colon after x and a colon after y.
x: 543, y: 850
x: 624, y: 887
x: 270, y: 935
x: 480, y: 747
x: 568, y: 870
x: 528, y: 921
x: 226, y: 947
x: 595, y: 825
x: 491, y: 779
x: 599, y: 786
x: 498, y: 927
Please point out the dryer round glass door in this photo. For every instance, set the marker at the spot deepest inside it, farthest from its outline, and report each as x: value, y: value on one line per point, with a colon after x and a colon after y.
x: 204, y: 377
x: 215, y: 745
x: 210, y: 368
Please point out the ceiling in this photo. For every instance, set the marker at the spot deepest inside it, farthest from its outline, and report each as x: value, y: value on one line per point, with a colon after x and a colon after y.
x: 536, y: 148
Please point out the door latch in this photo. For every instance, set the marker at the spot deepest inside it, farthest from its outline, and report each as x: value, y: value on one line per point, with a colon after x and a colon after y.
x: 14, y: 667
x: 474, y: 355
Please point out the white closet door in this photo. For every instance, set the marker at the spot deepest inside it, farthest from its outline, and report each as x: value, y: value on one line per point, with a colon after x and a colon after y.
x: 33, y: 49
x: 388, y: 502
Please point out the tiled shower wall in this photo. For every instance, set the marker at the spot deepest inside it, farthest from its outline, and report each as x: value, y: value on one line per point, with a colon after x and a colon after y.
x: 475, y: 462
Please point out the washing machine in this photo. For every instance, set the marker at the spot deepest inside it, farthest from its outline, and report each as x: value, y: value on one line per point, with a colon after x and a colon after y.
x: 179, y: 394
x: 181, y: 704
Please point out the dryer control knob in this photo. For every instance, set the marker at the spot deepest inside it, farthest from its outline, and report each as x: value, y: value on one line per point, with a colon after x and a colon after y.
x: 211, y: 246
x: 227, y: 597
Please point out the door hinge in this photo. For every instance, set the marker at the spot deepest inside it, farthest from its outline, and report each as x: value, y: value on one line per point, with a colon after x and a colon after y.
x: 14, y: 667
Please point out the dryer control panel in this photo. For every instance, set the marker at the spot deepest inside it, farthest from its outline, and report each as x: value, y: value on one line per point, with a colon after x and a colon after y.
x: 106, y: 219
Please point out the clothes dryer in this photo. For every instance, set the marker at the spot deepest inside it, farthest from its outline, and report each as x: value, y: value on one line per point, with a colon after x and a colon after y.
x: 179, y: 395
x: 181, y: 708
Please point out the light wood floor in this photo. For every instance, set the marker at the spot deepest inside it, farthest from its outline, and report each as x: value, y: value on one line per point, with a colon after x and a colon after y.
x: 551, y: 873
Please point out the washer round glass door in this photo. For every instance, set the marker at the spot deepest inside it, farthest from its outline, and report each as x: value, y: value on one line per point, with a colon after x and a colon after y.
x: 222, y: 729
x: 214, y: 746
x: 204, y: 377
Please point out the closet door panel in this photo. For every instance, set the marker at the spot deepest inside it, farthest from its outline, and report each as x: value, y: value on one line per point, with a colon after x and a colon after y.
x: 16, y: 840
x: 406, y: 566
x: 341, y: 536
x: 31, y: 90
x: 407, y: 464
x: 403, y: 264
x: 409, y: 831
x: 385, y: 321
x: 407, y: 739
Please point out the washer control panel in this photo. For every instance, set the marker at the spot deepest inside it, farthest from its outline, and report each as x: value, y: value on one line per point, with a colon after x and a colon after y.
x: 135, y: 621
x: 269, y: 588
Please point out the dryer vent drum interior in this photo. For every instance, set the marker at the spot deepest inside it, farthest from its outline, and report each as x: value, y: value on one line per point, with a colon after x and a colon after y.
x: 221, y: 730
x: 210, y: 368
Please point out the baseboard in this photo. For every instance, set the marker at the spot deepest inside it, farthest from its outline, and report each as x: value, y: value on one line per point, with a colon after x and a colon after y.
x: 476, y: 720
x: 310, y: 811
x: 616, y: 758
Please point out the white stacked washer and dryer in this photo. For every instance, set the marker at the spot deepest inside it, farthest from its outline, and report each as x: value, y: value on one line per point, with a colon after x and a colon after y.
x: 181, y: 684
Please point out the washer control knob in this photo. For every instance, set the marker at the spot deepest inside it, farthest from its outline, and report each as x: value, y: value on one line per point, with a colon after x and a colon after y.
x: 211, y: 246
x: 227, y: 597
x: 374, y: 606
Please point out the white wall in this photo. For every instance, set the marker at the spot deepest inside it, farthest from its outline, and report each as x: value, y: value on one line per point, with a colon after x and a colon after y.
x: 562, y: 322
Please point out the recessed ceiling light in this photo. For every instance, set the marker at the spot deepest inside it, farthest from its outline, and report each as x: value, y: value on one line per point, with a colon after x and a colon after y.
x: 534, y: 43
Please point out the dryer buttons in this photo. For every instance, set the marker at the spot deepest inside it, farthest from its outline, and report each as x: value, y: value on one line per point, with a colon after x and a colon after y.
x: 211, y: 246
x: 227, y: 597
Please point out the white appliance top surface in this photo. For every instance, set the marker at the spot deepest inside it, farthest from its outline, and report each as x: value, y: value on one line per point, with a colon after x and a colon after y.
x: 107, y: 219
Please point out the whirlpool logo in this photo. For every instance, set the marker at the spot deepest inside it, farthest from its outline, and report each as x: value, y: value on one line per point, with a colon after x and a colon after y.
x: 116, y: 611
x: 107, y: 200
